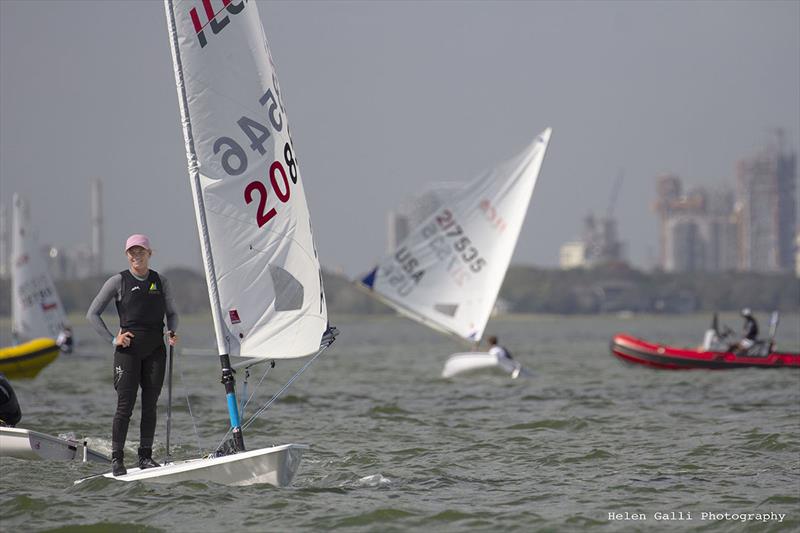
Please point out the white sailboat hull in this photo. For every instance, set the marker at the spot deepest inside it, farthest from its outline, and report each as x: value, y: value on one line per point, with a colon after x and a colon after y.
x: 276, y: 465
x: 25, y: 444
x: 461, y: 363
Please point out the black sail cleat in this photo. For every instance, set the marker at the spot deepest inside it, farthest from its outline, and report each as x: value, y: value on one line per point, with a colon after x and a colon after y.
x: 117, y: 466
x: 146, y: 458
x: 329, y: 336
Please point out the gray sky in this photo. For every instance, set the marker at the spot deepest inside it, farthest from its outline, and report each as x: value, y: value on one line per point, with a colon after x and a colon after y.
x: 387, y: 97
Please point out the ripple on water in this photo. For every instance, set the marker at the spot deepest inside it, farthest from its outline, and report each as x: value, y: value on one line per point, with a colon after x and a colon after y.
x: 21, y: 505
x: 378, y: 516
x: 393, y: 413
x: 570, y: 424
x: 409, y: 452
x: 782, y: 499
x: 704, y: 450
x: 293, y: 399
x: 756, y: 441
x: 585, y: 522
x: 374, y: 480
x: 454, y: 516
x: 566, y: 458
x: 105, y: 527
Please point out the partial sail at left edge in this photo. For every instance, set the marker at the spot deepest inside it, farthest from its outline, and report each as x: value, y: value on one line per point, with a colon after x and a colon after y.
x: 36, y: 308
x: 264, y: 277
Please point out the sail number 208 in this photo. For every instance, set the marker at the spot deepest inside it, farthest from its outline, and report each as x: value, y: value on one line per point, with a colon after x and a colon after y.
x: 233, y: 157
x: 280, y: 186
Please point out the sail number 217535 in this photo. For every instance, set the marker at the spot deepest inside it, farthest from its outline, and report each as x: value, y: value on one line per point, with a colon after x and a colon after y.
x: 233, y: 158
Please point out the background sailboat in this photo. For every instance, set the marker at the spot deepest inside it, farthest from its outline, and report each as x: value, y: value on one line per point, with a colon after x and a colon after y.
x: 37, y: 319
x: 37, y: 315
x: 448, y: 271
x: 36, y: 308
x: 261, y: 265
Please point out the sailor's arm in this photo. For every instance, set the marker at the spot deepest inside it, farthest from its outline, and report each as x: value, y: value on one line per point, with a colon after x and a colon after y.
x: 108, y: 292
x: 172, y: 314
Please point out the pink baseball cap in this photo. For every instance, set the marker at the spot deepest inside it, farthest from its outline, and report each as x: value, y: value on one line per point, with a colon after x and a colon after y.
x: 137, y: 240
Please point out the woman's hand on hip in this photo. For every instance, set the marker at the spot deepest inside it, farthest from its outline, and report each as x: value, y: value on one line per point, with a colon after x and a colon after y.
x: 124, y: 339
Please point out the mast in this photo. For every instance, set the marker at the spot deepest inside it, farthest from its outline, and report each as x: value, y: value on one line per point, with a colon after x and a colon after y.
x: 228, y: 379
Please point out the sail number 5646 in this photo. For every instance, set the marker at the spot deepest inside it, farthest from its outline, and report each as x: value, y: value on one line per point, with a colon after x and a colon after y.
x: 234, y: 158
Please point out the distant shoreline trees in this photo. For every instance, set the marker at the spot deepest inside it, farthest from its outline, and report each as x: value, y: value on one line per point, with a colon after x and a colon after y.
x: 526, y: 289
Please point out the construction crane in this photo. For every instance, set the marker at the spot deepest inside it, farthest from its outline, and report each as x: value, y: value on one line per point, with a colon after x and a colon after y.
x: 602, y: 242
x: 614, y: 193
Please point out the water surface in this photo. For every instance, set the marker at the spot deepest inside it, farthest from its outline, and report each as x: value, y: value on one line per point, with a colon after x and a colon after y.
x: 394, y: 447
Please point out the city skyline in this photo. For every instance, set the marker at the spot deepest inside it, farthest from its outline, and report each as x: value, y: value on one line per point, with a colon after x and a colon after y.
x: 701, y: 228
x: 375, y: 124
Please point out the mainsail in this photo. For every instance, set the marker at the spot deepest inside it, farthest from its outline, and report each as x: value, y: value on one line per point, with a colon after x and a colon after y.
x: 447, y: 272
x: 261, y: 265
x: 36, y: 307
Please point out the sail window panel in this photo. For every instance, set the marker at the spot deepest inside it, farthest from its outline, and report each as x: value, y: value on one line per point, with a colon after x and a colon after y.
x: 289, y: 291
x: 447, y: 309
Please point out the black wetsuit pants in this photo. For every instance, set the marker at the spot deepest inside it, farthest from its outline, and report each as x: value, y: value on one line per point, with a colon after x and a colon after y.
x: 141, y: 364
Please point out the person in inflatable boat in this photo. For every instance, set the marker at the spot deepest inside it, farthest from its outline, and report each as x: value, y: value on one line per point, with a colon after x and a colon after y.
x: 750, y: 330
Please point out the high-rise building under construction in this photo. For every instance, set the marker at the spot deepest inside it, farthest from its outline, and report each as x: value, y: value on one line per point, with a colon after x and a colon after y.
x: 698, y: 229
x: 715, y: 230
x: 767, y: 211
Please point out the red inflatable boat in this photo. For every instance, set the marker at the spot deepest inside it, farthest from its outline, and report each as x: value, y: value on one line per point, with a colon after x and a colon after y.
x: 633, y: 350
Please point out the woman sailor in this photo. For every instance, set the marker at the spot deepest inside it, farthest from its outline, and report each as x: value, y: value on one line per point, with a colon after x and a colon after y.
x: 143, y: 298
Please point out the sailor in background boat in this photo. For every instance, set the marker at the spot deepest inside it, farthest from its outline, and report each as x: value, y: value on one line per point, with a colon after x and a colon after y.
x: 10, y: 413
x: 750, y: 330
x: 64, y: 340
x: 143, y: 298
x: 497, y: 350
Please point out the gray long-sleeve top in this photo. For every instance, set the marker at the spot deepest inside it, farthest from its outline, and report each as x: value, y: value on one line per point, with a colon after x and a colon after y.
x: 112, y: 290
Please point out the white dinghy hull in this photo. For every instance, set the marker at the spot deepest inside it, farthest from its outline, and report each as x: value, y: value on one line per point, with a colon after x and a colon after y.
x: 25, y: 444
x: 276, y: 465
x: 461, y: 363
